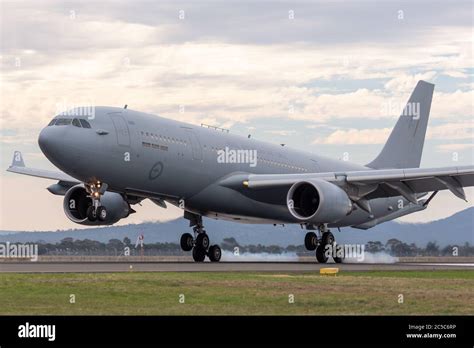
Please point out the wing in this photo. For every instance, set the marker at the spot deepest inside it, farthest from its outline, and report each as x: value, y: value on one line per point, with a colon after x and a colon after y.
x: 18, y: 166
x: 370, y: 184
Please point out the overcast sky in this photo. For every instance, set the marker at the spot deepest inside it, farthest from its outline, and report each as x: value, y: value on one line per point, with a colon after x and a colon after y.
x: 328, y: 77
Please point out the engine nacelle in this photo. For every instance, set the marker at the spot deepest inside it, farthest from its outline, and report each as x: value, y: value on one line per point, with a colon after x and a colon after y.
x: 317, y: 201
x: 76, y: 202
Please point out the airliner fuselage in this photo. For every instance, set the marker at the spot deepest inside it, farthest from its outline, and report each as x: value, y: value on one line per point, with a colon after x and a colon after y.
x: 141, y: 154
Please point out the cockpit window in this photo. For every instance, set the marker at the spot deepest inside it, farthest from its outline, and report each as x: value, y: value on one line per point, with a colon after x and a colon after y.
x: 63, y: 121
x: 85, y: 124
x: 75, y: 122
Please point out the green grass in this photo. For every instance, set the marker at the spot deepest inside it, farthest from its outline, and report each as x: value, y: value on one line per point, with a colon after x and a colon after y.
x: 233, y: 293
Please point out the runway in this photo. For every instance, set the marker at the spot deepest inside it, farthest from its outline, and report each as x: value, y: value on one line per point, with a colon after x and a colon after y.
x: 105, y: 267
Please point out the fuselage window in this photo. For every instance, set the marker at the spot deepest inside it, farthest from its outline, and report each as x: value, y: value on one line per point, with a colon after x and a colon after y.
x: 84, y: 123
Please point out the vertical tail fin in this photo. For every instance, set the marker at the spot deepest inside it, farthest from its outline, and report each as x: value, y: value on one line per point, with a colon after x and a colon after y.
x: 404, y: 146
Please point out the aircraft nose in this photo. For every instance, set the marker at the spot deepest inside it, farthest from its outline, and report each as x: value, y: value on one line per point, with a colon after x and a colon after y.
x: 50, y: 140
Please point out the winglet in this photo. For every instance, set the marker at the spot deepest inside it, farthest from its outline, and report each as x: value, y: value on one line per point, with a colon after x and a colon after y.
x: 17, y: 160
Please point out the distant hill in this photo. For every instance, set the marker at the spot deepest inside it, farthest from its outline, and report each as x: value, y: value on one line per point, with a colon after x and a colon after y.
x: 456, y: 229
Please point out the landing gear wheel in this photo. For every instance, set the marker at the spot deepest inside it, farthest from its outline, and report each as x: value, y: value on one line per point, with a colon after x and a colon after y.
x: 328, y: 238
x: 214, y: 253
x: 321, y: 254
x: 187, y: 242
x: 339, y: 252
x: 91, y: 213
x: 199, y: 254
x: 202, y: 241
x: 101, y: 213
x: 311, y: 241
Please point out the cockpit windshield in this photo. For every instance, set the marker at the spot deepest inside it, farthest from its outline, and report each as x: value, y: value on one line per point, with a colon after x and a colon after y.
x: 63, y: 121
x: 84, y: 123
x: 77, y: 122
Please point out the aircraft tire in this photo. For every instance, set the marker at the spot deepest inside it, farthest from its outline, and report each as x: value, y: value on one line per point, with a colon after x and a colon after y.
x: 336, y: 258
x: 91, y: 213
x: 311, y: 241
x: 186, y: 242
x: 101, y: 213
x: 215, y: 253
x: 202, y: 241
x: 199, y: 254
x: 320, y: 256
x: 328, y: 238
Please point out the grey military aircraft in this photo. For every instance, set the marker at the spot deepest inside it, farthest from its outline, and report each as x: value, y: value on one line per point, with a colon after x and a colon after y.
x: 112, y: 158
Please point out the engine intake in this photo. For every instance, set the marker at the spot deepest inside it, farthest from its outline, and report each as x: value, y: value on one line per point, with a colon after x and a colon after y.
x: 76, y: 202
x: 318, y: 201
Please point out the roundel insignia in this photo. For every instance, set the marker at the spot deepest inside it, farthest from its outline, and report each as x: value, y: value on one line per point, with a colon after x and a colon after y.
x: 155, y: 171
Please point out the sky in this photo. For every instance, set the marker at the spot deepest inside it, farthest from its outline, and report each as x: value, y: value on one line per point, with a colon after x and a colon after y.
x: 328, y: 77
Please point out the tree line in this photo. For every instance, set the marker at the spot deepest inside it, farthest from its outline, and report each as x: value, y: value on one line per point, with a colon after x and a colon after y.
x: 117, y: 247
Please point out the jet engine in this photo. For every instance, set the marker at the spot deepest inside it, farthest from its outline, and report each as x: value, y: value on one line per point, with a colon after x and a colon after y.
x: 317, y: 201
x: 76, y: 202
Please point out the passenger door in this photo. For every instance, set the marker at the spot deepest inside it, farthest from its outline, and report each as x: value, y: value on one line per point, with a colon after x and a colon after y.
x: 195, y: 145
x: 121, y: 129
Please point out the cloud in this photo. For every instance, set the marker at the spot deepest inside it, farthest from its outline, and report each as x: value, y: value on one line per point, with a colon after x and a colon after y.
x: 454, y: 147
x: 355, y: 137
x: 445, y: 132
x: 404, y: 83
x: 228, y: 82
x: 454, y: 106
x: 282, y: 133
x: 452, y: 131
x: 231, y: 63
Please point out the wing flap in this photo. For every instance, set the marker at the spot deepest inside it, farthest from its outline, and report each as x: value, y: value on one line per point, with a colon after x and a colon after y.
x: 390, y: 182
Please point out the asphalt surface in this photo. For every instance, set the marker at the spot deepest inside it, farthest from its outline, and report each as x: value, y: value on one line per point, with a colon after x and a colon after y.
x: 98, y: 267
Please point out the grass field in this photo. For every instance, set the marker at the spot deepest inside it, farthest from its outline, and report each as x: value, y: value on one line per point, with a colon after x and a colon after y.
x: 433, y: 292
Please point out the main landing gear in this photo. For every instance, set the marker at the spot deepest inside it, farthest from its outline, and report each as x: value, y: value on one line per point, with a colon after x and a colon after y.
x: 200, y: 244
x: 96, y: 211
x: 325, y: 246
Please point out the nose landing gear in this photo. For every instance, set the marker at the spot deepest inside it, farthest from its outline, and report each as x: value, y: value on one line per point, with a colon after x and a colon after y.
x: 200, y: 244
x: 96, y: 211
